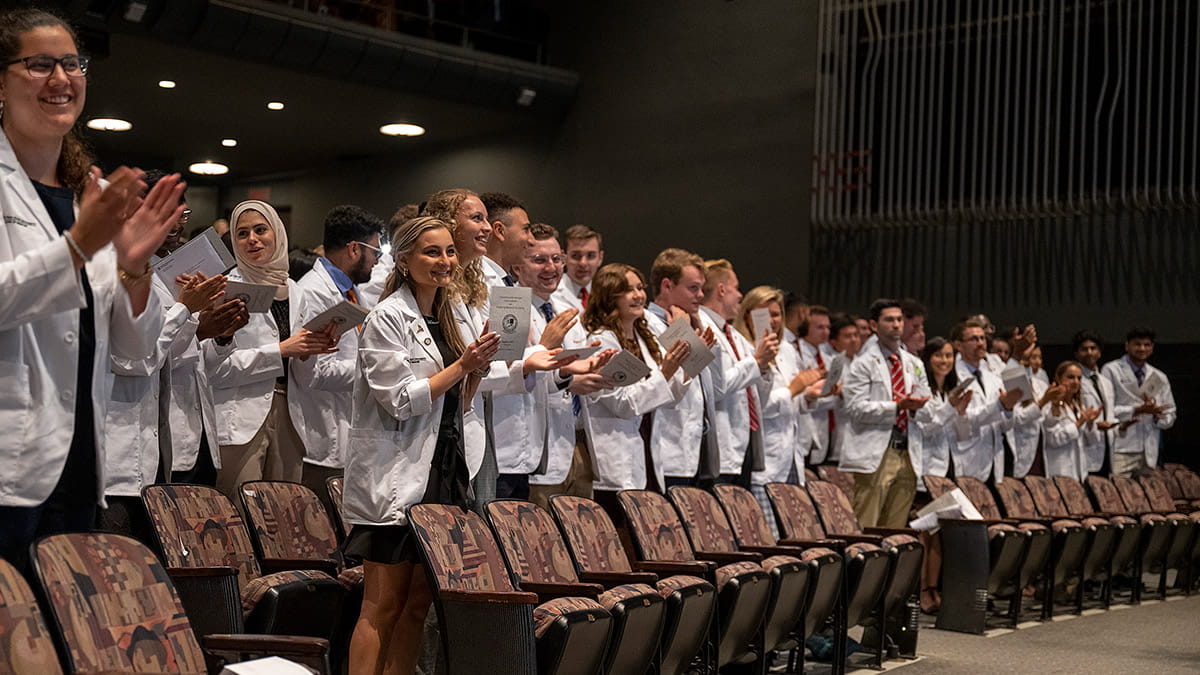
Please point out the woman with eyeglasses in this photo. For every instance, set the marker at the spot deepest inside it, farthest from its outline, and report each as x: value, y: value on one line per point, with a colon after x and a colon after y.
x: 74, y: 267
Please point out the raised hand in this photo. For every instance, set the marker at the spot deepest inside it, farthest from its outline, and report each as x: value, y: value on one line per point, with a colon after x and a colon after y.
x: 145, y: 229
x: 766, y: 350
x: 961, y: 401
x: 223, y: 320
x: 102, y: 213
x: 198, y: 293
x: 675, y: 356
x: 305, y: 343
x: 1008, y: 399
x: 557, y: 328
x: 480, y: 352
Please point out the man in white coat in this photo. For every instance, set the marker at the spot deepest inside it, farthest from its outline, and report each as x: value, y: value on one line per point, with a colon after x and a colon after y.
x: 882, y: 390
x: 1096, y: 391
x: 1144, y: 404
x: 321, y: 403
x: 981, y: 431
x: 585, y: 254
x: 815, y: 352
x: 736, y: 382
x: 684, y: 438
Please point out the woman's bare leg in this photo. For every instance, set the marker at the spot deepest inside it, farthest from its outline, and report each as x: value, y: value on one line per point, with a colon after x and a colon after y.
x: 385, y: 589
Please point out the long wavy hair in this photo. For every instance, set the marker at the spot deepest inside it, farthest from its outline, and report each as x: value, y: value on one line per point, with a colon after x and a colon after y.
x: 404, y: 238
x: 468, y: 283
x: 608, y: 284
x: 75, y: 159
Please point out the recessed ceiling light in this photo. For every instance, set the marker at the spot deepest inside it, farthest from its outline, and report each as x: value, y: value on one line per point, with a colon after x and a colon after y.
x: 400, y: 129
x: 229, y: 142
x: 108, y: 124
x: 208, y: 168
x: 167, y: 84
x: 274, y: 105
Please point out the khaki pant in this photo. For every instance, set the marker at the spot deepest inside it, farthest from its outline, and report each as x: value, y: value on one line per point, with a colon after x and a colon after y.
x: 578, y: 482
x: 1129, y: 464
x: 275, y: 453
x: 884, y: 498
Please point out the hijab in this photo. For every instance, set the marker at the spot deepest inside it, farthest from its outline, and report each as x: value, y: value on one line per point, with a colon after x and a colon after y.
x: 274, y: 272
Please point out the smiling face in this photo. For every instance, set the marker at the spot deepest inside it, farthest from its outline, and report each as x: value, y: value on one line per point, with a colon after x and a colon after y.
x: 972, y: 346
x: 632, y: 303
x: 1070, y: 377
x: 846, y: 340
x: 42, y: 110
x: 433, y: 259
x: 540, y: 270
x: 941, y: 362
x: 254, y: 237
x: 584, y: 257
x: 471, y: 229
x: 1088, y: 354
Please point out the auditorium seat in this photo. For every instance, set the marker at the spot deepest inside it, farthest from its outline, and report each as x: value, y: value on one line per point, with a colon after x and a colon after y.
x: 596, y: 550
x: 1126, y: 531
x: 901, y: 544
x: 751, y: 532
x: 1156, y: 531
x: 1179, y: 554
x: 335, y: 485
x: 116, y: 611
x: 1069, y: 538
x: 486, y: 624
x: 1007, y: 548
x: 208, y: 553
x: 866, y: 564
x: 710, y: 532
x: 810, y: 475
x: 25, y: 642
x: 1171, y: 482
x: 1101, y: 535
x: 1189, y: 483
x: 535, y: 551
x: 743, y: 587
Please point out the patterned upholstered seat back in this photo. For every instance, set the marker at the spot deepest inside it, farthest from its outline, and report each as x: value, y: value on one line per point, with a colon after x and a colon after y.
x: 289, y: 521
x: 532, y: 545
x: 26, y: 647
x: 836, y: 511
x: 980, y: 496
x: 115, y: 605
x: 1132, y: 495
x: 1189, y: 483
x: 844, y: 481
x: 703, y: 519
x: 1073, y: 495
x: 1018, y: 503
x: 810, y: 475
x: 197, y: 526
x: 336, y: 485
x: 591, y: 535
x: 797, y: 516
x: 749, y: 524
x: 1107, y: 497
x: 655, y: 525
x: 938, y: 485
x: 461, y: 551
x: 1169, y: 481
x: 1045, y: 496
x: 1157, y: 493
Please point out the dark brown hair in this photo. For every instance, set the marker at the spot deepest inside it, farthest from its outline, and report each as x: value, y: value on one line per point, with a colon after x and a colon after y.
x: 601, y: 313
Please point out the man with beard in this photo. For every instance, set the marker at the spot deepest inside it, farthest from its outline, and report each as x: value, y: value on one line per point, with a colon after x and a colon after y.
x: 352, y: 248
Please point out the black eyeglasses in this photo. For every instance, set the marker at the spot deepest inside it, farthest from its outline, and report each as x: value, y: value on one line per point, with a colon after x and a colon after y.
x: 42, y: 65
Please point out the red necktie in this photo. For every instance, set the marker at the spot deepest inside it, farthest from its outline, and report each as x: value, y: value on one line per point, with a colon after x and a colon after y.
x: 898, y: 390
x: 821, y: 364
x: 583, y: 295
x: 353, y: 297
x: 749, y: 391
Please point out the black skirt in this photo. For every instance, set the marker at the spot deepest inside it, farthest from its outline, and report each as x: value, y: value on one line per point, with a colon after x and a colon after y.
x: 384, y: 544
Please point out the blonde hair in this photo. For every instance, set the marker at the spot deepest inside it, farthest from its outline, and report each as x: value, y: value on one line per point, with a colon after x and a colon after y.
x: 716, y: 272
x: 759, y: 296
x: 404, y: 239
x: 468, y: 283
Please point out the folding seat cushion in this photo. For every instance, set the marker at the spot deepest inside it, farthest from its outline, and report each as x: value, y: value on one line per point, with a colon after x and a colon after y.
x: 1101, y: 536
x: 1189, y: 484
x: 938, y: 485
x: 798, y: 519
x: 485, y: 619
x: 538, y: 557
x: 831, y: 474
x: 1158, y: 498
x: 115, y: 606
x: 743, y: 587
x: 1156, y: 532
x: 25, y: 642
x: 810, y: 475
x: 598, y: 555
x: 198, y: 527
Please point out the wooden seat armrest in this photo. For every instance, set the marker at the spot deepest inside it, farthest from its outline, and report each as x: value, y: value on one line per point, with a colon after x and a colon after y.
x: 200, y: 572
x: 889, y: 531
x: 549, y: 591
x: 269, y: 644
x: 617, y: 578
x: 498, y: 597
x: 273, y: 565
x: 661, y: 567
x: 836, y: 544
x: 728, y: 557
x: 767, y: 551
x: 862, y: 538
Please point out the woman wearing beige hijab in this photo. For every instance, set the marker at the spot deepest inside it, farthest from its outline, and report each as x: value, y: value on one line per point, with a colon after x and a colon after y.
x: 250, y: 372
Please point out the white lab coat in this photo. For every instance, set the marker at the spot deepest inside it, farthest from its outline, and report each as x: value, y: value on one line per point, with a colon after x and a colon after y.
x: 1026, y: 430
x: 242, y: 373
x: 39, y: 351
x: 735, y: 376
x: 518, y: 422
x: 133, y: 408
x: 935, y: 427
x: 782, y: 447
x: 1063, y: 443
x: 819, y: 441
x: 867, y: 396
x: 1104, y: 399
x: 1143, y: 435
x: 567, y: 293
x: 395, y: 419
x: 552, y: 403
x: 979, y: 451
x: 679, y: 426
x: 191, y: 412
x: 613, y: 417
x: 322, y: 399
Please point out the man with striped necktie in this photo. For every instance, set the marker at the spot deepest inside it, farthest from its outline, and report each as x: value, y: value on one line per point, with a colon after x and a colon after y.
x: 883, y: 390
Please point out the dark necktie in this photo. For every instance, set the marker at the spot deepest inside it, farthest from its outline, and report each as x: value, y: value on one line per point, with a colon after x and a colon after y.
x: 749, y: 391
x: 548, y: 310
x: 509, y: 281
x: 1103, y: 407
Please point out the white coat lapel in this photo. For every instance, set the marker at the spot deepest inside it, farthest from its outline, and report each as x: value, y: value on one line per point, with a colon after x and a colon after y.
x: 421, y: 334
